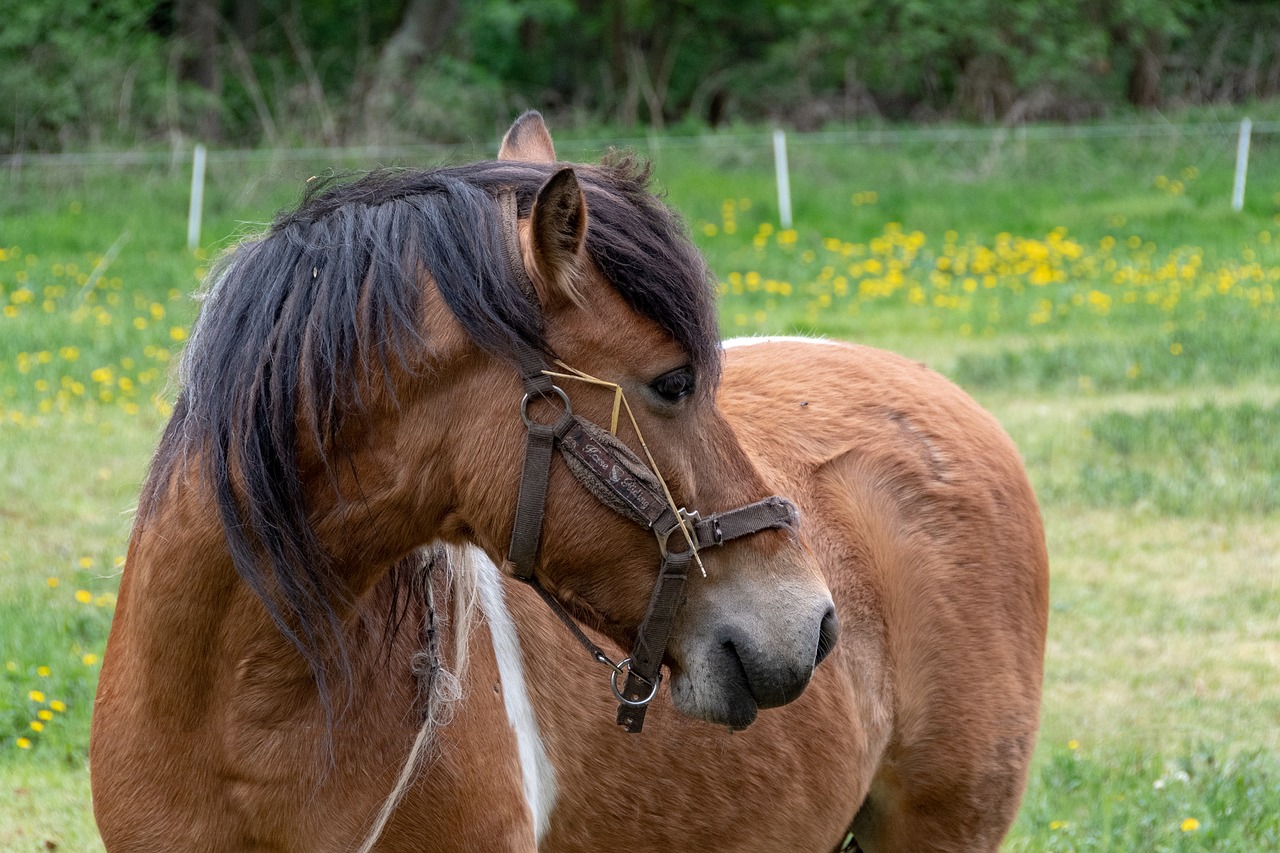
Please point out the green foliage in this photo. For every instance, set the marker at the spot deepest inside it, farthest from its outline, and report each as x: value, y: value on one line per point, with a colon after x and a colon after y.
x: 78, y: 71
x: 121, y: 72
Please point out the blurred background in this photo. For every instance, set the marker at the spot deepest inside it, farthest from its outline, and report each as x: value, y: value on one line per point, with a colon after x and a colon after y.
x: 241, y: 73
x: 1071, y: 209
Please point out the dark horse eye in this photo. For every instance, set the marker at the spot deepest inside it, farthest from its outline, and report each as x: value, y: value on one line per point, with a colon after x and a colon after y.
x: 674, y: 386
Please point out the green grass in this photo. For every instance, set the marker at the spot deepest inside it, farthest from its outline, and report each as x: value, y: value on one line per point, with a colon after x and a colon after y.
x: 1097, y: 295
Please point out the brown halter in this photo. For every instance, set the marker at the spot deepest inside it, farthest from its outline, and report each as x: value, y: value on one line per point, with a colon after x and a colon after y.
x: 621, y: 481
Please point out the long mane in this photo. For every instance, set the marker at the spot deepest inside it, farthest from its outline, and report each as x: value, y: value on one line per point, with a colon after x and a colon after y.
x: 297, y: 322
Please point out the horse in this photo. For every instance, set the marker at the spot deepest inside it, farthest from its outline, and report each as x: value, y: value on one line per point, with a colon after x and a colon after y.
x: 329, y: 638
x: 916, y: 733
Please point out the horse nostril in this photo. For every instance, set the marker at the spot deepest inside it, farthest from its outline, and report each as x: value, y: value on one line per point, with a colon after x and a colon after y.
x: 828, y: 633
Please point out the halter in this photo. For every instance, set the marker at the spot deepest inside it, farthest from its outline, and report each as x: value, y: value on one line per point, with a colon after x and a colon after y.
x: 621, y: 481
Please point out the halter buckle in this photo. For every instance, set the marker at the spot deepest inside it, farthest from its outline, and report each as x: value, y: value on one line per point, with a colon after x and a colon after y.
x: 689, y: 518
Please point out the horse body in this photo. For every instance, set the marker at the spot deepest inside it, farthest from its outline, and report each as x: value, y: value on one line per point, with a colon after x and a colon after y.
x: 218, y: 728
x: 922, y: 721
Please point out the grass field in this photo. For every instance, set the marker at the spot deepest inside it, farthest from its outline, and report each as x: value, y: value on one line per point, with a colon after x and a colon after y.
x: 1098, y: 295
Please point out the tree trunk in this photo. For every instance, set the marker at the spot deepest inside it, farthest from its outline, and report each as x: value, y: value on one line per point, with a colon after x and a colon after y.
x: 423, y: 30
x: 196, y: 22
x: 245, y: 22
x: 1144, y: 79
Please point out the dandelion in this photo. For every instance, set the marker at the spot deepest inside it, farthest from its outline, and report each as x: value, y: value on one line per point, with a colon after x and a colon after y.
x: 37, y: 726
x: 35, y: 696
x: 43, y: 671
x: 1190, y: 825
x: 1057, y: 824
x: 24, y: 743
x: 86, y: 562
x: 58, y: 705
x: 44, y: 714
x: 1073, y: 744
x: 53, y: 583
x: 84, y: 596
x: 89, y: 659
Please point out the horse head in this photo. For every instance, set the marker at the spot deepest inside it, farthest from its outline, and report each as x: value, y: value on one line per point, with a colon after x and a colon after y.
x: 354, y: 387
x: 755, y: 617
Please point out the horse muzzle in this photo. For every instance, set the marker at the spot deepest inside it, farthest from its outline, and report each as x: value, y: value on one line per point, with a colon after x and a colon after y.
x: 736, y: 663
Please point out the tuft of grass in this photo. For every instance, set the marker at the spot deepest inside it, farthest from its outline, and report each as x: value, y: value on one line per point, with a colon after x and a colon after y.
x: 1212, y: 461
x: 1085, y: 798
x: 1225, y: 355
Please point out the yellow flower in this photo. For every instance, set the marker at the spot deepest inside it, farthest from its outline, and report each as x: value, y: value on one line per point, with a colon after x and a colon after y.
x: 1073, y: 744
x: 35, y: 696
x: 37, y: 726
x: 53, y: 583
x: 58, y: 705
x: 1190, y: 825
x: 86, y: 562
x: 43, y: 671
x: 1058, y: 824
x: 84, y: 596
x: 178, y: 333
x: 44, y: 714
x: 89, y: 659
x: 24, y: 743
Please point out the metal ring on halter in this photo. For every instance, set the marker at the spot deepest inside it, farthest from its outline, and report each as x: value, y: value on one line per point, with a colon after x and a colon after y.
x: 524, y: 405
x: 617, y: 692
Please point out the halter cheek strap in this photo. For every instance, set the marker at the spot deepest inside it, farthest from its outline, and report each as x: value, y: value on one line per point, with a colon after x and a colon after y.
x: 621, y: 481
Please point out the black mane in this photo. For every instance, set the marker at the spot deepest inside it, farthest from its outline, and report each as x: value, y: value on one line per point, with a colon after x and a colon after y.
x: 330, y: 297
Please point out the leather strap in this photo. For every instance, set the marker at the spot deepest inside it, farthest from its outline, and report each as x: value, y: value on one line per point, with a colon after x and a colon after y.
x: 531, y: 505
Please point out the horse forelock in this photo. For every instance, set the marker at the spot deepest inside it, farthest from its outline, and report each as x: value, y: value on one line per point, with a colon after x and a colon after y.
x: 300, y: 323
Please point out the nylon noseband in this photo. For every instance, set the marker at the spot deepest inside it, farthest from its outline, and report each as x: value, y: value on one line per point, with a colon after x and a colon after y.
x: 621, y: 481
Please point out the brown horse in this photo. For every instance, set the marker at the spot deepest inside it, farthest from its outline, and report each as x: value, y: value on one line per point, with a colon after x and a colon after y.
x: 289, y: 671
x: 915, y: 735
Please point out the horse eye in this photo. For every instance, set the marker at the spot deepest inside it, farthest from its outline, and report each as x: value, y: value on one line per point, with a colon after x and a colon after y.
x: 674, y: 386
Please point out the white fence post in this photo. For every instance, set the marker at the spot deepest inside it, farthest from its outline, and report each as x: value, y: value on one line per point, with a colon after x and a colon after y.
x: 1242, y: 165
x: 196, y: 210
x: 784, y: 178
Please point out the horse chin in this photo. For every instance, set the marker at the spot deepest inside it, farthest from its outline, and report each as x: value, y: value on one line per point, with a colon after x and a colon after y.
x: 725, y: 700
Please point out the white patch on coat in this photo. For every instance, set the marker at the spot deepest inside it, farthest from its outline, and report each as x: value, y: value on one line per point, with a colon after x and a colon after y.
x: 538, y: 775
x: 775, y: 339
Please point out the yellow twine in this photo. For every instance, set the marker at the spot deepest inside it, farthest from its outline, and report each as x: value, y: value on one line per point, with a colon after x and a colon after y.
x: 619, y: 402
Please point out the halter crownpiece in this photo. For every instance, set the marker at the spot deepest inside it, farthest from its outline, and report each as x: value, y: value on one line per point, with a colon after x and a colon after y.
x: 623, y: 482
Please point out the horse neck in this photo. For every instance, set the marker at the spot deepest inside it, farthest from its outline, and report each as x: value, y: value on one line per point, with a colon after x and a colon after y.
x: 184, y: 619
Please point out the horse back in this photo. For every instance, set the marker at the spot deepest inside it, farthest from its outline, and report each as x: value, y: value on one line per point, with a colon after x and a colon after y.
x: 931, y: 537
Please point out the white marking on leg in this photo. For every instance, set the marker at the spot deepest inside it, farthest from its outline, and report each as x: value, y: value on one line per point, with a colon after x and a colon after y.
x: 538, y: 775
x: 776, y: 339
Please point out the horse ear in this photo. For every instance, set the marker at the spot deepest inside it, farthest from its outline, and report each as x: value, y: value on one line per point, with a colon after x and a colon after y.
x: 557, y: 230
x: 528, y: 140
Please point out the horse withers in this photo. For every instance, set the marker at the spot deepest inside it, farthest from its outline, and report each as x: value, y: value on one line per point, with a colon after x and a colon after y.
x: 353, y: 390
